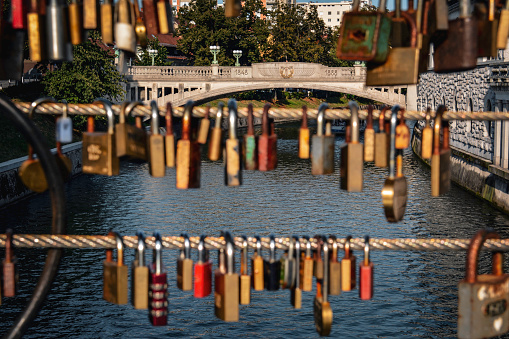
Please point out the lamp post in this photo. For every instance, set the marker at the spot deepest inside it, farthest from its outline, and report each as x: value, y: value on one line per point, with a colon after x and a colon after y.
x: 237, y: 54
x: 214, y: 50
x: 152, y: 53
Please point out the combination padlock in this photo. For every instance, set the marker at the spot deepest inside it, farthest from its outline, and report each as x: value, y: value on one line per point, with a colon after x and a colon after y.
x: 158, y: 288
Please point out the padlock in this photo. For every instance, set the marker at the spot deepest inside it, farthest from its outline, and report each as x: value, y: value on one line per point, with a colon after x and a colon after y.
x: 107, y: 22
x: 381, y: 141
x: 273, y: 136
x: 424, y: 35
x: 322, y: 146
x: 503, y: 27
x: 139, y: 27
x: 258, y: 281
x: 150, y: 17
x: 202, y: 271
x: 63, y: 128
x: 219, y: 272
x: 304, y: 135
x: 19, y: 14
x: 115, y: 274
x: 232, y: 158
x: 364, y: 36
x: 169, y: 138
x: 226, y: 294
x: 394, y: 192
x: 366, y: 274
x: 36, y: 31
x: 318, y: 262
x: 131, y: 141
x: 140, y: 273
x: 158, y: 288
x: 156, y: 152
x: 271, y: 268
x: 124, y: 21
x: 402, y: 132
x: 99, y: 149
x: 441, y: 158
x: 369, y: 138
x: 215, y: 135
x: 348, y: 268
x: 307, y: 268
x: 461, y: 36
x: 165, y: 15
x: 267, y: 144
x: 334, y: 268
x: 487, y: 26
x: 90, y: 10
x: 400, y: 34
x: 483, y: 299
x: 185, y: 266
x: 250, y: 151
x: 30, y: 172
x: 75, y: 22
x: 10, y: 275
x: 402, y: 65
x: 352, y: 154
x: 245, y: 278
x: 288, y: 268
x: 188, y: 154
x: 296, y: 291
x: 321, y: 306
x: 203, y: 132
x: 57, y: 35
x: 438, y: 21
x: 427, y: 138
x: 232, y: 8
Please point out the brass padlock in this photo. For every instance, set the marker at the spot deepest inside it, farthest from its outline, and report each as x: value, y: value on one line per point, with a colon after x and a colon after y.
x: 99, y: 152
x: 169, y: 138
x: 165, y: 15
x: 503, y: 27
x: 90, y: 10
x: 322, y: 146
x: 427, y: 138
x: 232, y: 8
x: 381, y: 141
x: 304, y: 135
x: 318, y: 262
x: 115, y: 274
x: 232, y: 158
x: 203, y: 132
x: 334, y: 268
x: 245, y: 278
x: 188, y: 154
x: 140, y: 276
x: 226, y: 294
x: 296, y: 290
x: 75, y: 22
x: 441, y: 158
x: 139, y: 27
x: 348, y: 268
x: 124, y: 21
x: 402, y: 65
x: 156, y: 145
x: 487, y: 26
x: 364, y: 35
x: 131, y: 141
x: 36, y: 31
x: 107, y: 22
x: 321, y: 306
x: 258, y: 280
x: 185, y: 266
x: 215, y: 135
x: 461, y: 36
x: 307, y: 268
x: 394, y: 192
x: 150, y: 17
x: 352, y: 154
x: 402, y: 133
x: 369, y: 137
x: 483, y: 299
x: 249, y: 149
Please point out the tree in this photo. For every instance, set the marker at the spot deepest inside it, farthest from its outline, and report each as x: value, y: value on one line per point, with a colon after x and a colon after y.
x: 160, y: 59
x: 203, y: 24
x: 90, y: 75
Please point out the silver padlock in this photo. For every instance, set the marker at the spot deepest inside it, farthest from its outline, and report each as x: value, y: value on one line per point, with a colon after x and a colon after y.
x: 64, y: 127
x: 483, y: 299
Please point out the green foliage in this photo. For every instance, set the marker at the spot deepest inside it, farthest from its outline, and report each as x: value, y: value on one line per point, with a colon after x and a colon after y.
x: 90, y: 75
x: 160, y: 59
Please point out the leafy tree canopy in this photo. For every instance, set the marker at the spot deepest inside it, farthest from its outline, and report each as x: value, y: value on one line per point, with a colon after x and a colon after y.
x: 160, y: 59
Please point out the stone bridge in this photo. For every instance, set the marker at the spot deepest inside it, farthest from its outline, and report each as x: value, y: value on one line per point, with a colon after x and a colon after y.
x: 177, y: 84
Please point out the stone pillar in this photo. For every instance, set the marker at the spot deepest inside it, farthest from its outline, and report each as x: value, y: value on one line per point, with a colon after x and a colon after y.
x: 154, y: 91
x: 411, y: 98
x: 215, y: 70
x: 357, y: 69
x: 497, y: 140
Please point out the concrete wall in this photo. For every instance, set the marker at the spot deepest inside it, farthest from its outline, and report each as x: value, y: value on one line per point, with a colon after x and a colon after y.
x: 12, y: 189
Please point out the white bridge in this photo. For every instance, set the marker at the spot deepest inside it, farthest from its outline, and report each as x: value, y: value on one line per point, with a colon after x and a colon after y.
x: 178, y: 84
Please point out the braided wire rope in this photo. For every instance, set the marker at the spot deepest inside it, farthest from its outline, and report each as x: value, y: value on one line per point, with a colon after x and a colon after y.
x: 276, y: 113
x: 177, y: 242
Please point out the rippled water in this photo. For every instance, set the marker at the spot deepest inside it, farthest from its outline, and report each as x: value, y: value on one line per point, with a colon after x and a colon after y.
x: 415, y: 292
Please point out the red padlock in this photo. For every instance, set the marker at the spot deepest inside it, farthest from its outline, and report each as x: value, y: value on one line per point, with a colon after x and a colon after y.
x: 202, y: 271
x: 267, y: 144
x: 19, y: 14
x: 366, y: 274
x: 158, y: 287
x: 10, y: 272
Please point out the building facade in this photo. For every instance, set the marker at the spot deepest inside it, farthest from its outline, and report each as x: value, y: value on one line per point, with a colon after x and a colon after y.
x: 332, y: 12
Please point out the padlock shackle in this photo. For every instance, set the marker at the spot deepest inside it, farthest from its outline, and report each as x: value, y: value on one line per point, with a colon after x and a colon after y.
x: 354, y: 122
x: 109, y: 251
x: 219, y: 114
x: 348, y: 251
x: 325, y: 280
x: 381, y: 118
x: 37, y: 102
x: 154, y: 122
x: 356, y: 5
x: 244, y: 256
x: 65, y: 111
x: 413, y: 28
x: 250, y: 120
x: 140, y: 249
x: 436, y: 129
x: 129, y: 108
x: 158, y: 255
x: 265, y: 120
x: 366, y: 250
x: 9, y: 251
x: 109, y: 113
x: 202, y: 250
x: 392, y: 150
x: 122, y: 114
x: 258, y: 248
x: 428, y: 116
x: 186, y: 120
x: 230, y: 253
x: 186, y: 250
x: 272, y: 248
x: 169, y: 119
x: 304, y: 123
x: 474, y: 248
x: 232, y: 119
x: 334, y: 252
x: 221, y: 256
x: 308, y: 247
x: 120, y: 249
x: 320, y: 118
x: 296, y: 244
x: 291, y: 249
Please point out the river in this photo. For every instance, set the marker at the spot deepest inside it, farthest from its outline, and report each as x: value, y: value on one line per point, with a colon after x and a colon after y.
x: 415, y: 293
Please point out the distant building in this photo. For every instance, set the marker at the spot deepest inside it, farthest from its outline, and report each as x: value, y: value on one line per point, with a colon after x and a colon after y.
x: 272, y: 4
x: 332, y: 12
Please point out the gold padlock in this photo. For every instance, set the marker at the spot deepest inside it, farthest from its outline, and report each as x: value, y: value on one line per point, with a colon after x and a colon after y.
x: 441, y: 158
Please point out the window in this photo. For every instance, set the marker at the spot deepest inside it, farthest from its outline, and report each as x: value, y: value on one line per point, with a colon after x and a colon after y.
x: 329, y: 13
x: 337, y: 19
x: 337, y: 13
x: 321, y: 13
x: 328, y: 20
